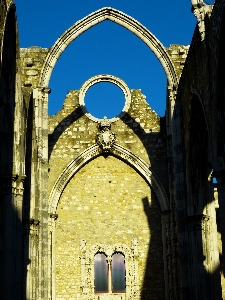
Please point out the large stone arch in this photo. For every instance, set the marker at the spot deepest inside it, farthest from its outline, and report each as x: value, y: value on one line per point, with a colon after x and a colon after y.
x: 14, y: 259
x: 108, y: 13
x: 118, y: 151
x: 6, y: 7
x: 10, y: 93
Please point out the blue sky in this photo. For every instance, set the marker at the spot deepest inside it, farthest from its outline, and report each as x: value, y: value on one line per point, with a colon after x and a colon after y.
x: 106, y: 48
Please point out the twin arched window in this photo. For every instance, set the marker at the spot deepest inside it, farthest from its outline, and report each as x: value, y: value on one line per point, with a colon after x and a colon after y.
x: 110, y: 273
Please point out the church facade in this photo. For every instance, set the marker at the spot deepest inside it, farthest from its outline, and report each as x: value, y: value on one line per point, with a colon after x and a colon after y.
x: 123, y: 208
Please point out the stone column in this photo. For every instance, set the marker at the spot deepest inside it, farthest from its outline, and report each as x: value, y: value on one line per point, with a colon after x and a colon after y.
x: 204, y: 279
x: 52, y: 258
x: 220, y: 177
x: 40, y: 96
x: 178, y: 274
x: 165, y: 218
x: 11, y: 239
x: 30, y: 232
x: 196, y: 259
x: 211, y: 238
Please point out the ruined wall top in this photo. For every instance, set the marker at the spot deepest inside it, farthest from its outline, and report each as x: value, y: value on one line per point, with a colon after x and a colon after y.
x: 178, y: 54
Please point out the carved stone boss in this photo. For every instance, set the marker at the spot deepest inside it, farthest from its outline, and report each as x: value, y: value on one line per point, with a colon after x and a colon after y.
x: 105, y: 139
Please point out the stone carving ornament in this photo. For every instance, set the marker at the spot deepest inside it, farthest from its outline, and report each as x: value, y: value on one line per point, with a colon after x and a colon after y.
x: 201, y: 10
x: 105, y: 139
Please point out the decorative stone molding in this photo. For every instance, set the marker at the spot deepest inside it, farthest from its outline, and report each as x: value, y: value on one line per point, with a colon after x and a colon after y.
x: 105, y: 139
x: 104, y: 78
x: 12, y: 184
x: 46, y: 90
x: 53, y: 216
x: 201, y: 10
x: 117, y: 151
x: 172, y: 92
x: 108, y: 13
x: 30, y: 226
x: 52, y: 222
x: 87, y: 270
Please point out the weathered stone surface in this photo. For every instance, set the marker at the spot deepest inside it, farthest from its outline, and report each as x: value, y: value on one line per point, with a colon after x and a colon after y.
x: 97, y: 201
x: 113, y: 206
x: 140, y: 185
x: 32, y: 60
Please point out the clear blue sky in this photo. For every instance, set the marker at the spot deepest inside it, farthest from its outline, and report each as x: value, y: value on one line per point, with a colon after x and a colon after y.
x: 106, y: 48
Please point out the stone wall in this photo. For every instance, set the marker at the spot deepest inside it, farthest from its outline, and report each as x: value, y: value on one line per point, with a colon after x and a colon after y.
x: 32, y: 60
x: 71, y: 132
x: 193, y: 155
x: 107, y: 203
x: 178, y: 54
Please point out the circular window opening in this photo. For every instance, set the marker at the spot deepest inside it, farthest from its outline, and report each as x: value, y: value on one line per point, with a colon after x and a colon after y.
x: 104, y: 99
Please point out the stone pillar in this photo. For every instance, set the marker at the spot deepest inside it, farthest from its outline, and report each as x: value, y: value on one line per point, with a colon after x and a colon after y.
x: 211, y: 239
x: 220, y: 177
x: 52, y: 258
x: 40, y: 96
x: 204, y: 279
x: 30, y: 232
x: 178, y: 274
x: 195, y: 266
x: 11, y: 239
x: 171, y: 96
x: 165, y: 218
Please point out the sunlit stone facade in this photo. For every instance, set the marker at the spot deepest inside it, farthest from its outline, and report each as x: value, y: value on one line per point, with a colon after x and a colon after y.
x: 139, y: 186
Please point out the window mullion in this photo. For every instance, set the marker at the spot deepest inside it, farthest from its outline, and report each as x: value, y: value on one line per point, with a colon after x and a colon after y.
x: 109, y: 260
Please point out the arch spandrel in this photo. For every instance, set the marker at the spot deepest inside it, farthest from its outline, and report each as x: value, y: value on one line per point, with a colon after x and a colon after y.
x: 120, y: 18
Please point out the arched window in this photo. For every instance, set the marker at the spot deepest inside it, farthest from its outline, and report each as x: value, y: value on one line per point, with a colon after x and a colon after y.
x: 110, y: 273
x: 101, y: 273
x: 118, y: 273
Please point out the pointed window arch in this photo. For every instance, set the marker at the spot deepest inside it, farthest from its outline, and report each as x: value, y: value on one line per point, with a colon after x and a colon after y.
x: 101, y: 50
x: 120, y: 18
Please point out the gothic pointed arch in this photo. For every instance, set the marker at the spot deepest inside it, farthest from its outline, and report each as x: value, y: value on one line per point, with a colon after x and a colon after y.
x: 108, y: 13
x: 6, y: 7
x: 118, y: 151
x: 7, y: 91
x: 11, y: 156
